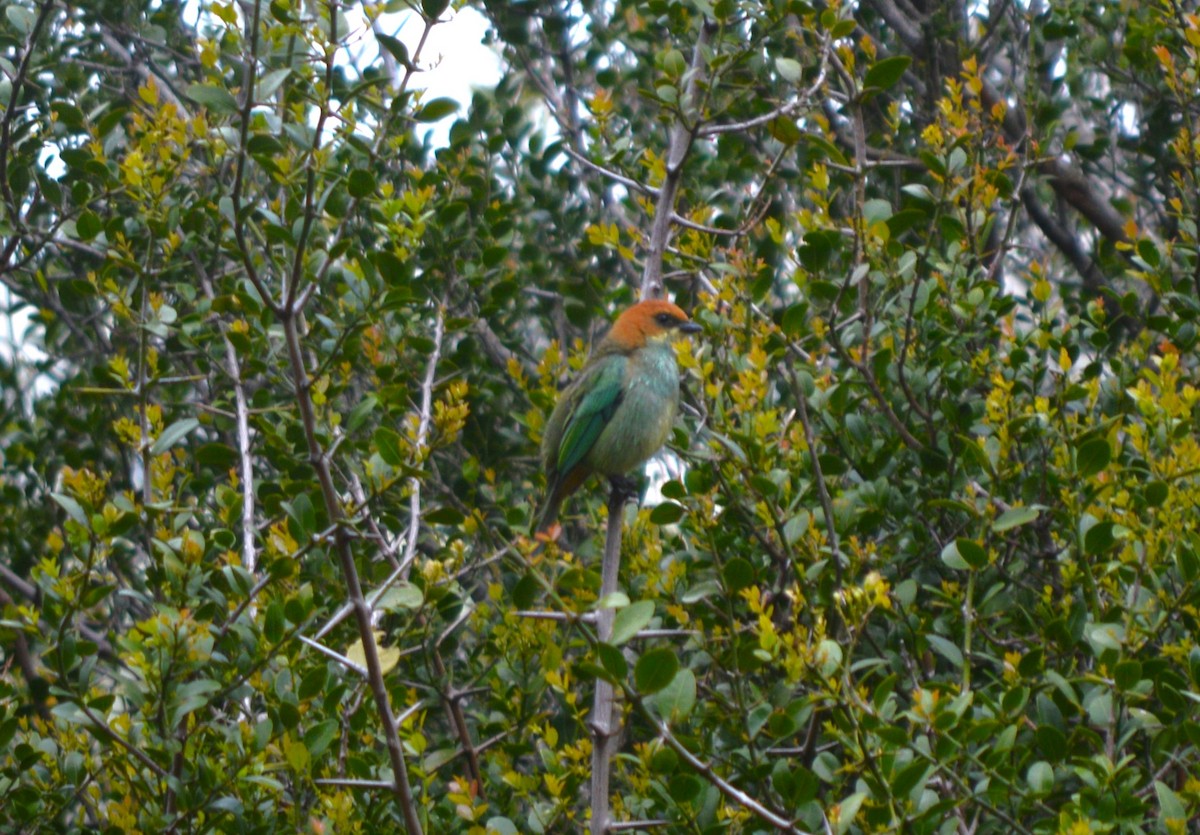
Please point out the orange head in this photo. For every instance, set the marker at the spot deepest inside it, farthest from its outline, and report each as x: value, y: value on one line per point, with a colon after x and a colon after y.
x: 647, y: 321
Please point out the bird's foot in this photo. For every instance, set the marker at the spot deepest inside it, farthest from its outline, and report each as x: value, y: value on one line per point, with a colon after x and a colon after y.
x: 624, y: 487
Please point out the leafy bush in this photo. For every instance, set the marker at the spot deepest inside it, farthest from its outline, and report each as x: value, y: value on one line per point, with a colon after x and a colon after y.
x: 926, y: 558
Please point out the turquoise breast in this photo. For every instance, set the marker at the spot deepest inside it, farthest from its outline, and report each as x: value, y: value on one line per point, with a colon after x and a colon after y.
x: 642, y: 422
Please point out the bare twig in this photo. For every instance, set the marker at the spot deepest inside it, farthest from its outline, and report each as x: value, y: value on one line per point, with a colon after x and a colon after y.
x: 605, y: 724
x: 424, y: 421
x: 682, y: 135
x: 708, y: 773
x: 239, y: 175
x: 362, y: 612
x: 138, y: 754
x: 802, y: 98
x: 242, y: 422
x: 145, y: 72
x: 10, y: 112
x: 335, y: 655
x: 818, y: 475
x: 609, y: 174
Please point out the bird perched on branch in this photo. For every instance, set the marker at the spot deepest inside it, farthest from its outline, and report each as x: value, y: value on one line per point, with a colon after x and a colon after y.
x: 620, y: 409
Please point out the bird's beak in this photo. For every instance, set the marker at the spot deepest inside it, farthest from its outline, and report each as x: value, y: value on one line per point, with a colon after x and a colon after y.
x: 690, y: 327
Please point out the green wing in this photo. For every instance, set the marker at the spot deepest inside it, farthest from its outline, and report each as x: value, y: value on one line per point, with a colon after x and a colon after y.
x: 599, y: 395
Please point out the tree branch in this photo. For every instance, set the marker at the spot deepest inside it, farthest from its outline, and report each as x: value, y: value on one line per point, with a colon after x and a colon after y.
x: 10, y: 112
x: 362, y: 612
x: 606, y: 725
x: 682, y: 134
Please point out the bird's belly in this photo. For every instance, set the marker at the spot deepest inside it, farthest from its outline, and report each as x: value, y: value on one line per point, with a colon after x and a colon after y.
x: 639, y: 426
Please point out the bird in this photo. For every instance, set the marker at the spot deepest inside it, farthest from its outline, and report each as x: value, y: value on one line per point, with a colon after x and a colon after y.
x: 619, y: 410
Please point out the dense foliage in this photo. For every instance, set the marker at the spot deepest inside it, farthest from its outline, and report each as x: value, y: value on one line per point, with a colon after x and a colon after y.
x: 927, y: 557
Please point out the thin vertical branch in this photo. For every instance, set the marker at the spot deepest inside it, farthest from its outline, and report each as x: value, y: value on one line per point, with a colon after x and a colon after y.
x: 239, y: 171
x: 362, y: 612
x: 605, y: 724
x: 710, y: 775
x: 10, y: 112
x: 292, y: 293
x: 818, y: 474
x: 425, y: 420
x: 233, y: 368
x: 682, y: 134
x: 291, y: 315
x: 452, y: 697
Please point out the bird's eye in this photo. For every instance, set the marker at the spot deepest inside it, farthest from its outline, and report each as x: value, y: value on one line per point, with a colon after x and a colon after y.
x: 665, y: 319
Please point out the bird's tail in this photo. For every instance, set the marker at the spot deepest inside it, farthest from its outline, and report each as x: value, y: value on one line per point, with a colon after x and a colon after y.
x: 547, y: 514
x: 557, y: 491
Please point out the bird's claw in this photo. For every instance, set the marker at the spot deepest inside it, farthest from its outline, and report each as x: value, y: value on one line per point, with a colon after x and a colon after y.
x: 624, y: 487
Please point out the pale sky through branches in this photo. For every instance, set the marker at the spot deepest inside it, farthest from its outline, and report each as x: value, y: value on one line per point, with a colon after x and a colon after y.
x: 454, y: 62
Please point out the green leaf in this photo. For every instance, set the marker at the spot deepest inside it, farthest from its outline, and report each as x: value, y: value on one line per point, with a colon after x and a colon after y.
x: 822, y: 147
x: 631, y: 620
x: 1014, y: 518
x: 829, y: 657
x: 216, y: 455
x: 666, y: 513
x: 274, y: 624
x: 313, y: 682
x: 396, y: 49
x: 675, y: 701
x: 1106, y: 636
x: 876, y: 210
x: 433, y: 8
x: 387, y: 443
x: 390, y: 267
x: 301, y: 511
x: 214, y: 98
x: 1149, y: 252
x: 22, y: 20
x: 525, y: 591
x: 501, y: 826
x: 795, y: 320
x: 848, y: 811
x: 613, y: 661
x: 789, y: 69
x: 613, y: 600
x: 444, y: 516
x: 1156, y: 493
x: 883, y: 74
x: 185, y: 706
x: 910, y: 776
x: 360, y: 183
x: 88, y: 225
x: 1040, y: 777
x: 738, y: 574
x: 1172, y: 812
x: 436, y: 109
x: 947, y: 649
x: 655, y: 670
x: 1099, y: 538
x: 672, y: 63
x: 1127, y: 674
x: 264, y: 144
x: 73, y: 508
x: 964, y: 554
x: 172, y: 435
x: 684, y: 788
x: 270, y: 82
x: 297, y: 754
x: 842, y: 28
x: 1092, y: 456
x: 703, y: 589
x: 400, y: 597
x: 318, y: 737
